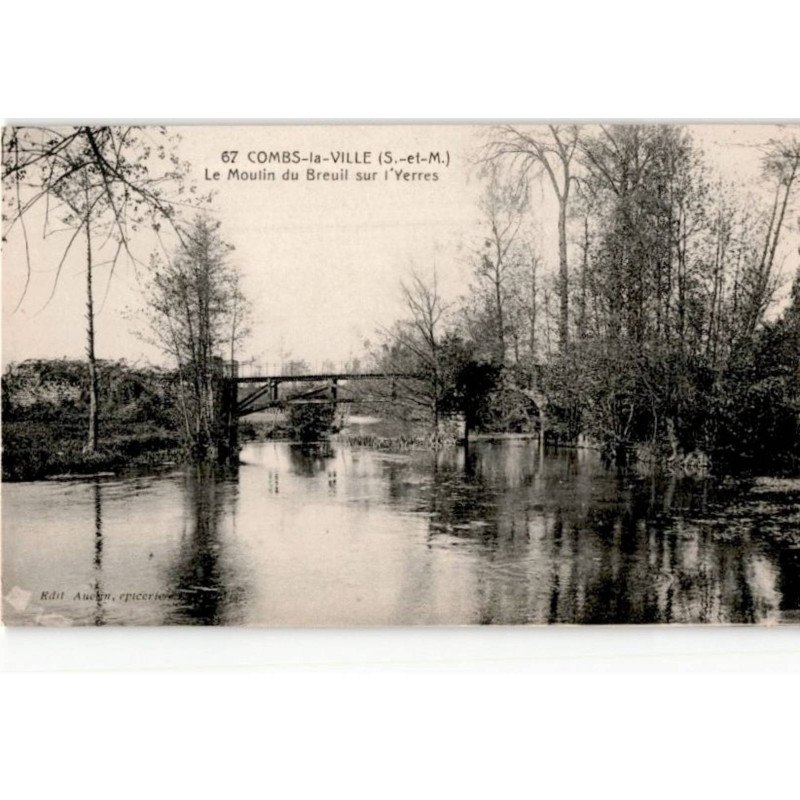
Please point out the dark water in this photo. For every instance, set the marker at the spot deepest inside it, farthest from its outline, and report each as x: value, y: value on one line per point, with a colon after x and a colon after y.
x: 333, y: 536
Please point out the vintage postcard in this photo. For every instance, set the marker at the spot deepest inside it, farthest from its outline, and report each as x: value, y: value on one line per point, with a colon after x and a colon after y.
x: 419, y: 374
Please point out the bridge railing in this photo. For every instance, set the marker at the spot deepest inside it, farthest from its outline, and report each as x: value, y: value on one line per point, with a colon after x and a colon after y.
x: 254, y: 368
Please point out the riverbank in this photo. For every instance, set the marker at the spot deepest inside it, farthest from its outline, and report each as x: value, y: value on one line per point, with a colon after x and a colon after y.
x: 33, y: 452
x: 45, y: 419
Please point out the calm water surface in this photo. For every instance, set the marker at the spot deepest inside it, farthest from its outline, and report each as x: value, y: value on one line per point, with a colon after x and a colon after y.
x: 334, y: 536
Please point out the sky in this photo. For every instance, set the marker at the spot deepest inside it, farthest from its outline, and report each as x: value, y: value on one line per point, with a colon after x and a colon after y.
x: 321, y: 261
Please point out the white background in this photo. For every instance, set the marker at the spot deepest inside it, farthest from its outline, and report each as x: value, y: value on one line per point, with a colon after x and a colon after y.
x: 644, y: 713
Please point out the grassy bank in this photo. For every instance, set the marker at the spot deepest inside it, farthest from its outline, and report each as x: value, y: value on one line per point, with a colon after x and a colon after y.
x: 31, y: 452
x: 45, y: 419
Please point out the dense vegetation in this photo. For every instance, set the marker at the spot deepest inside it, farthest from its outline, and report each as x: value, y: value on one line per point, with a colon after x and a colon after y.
x: 653, y: 331
x: 310, y: 422
x: 655, y: 335
x: 45, y: 418
x: 195, y: 312
x: 101, y: 184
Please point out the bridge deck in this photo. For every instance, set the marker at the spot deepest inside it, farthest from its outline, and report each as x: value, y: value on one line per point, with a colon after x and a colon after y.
x: 321, y: 376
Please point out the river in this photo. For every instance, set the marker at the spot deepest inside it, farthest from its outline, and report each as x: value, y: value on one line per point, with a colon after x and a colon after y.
x: 328, y: 535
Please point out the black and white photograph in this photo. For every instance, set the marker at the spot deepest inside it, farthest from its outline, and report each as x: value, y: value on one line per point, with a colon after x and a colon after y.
x: 346, y: 375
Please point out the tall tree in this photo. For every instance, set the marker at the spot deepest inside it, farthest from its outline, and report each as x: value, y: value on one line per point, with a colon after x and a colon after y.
x: 97, y: 179
x: 81, y: 210
x: 197, y: 314
x: 503, y: 206
x: 551, y: 154
x: 781, y: 165
x: 418, y: 345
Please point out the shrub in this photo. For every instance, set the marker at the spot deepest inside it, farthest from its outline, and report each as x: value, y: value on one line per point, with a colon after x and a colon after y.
x: 310, y: 422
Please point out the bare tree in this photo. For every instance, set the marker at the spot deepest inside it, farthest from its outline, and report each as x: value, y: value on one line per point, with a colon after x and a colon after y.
x: 781, y: 164
x: 240, y: 314
x: 103, y: 179
x: 195, y: 313
x: 85, y: 213
x: 503, y: 207
x: 416, y: 345
x: 553, y: 155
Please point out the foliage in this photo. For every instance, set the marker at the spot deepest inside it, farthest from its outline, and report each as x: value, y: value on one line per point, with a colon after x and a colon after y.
x: 471, y: 393
x: 311, y: 422
x: 103, y: 181
x: 756, y: 411
x: 653, y: 331
x: 196, y: 314
x: 45, y: 417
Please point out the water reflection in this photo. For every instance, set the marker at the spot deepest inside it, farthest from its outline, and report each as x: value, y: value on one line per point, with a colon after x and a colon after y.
x: 202, y: 577
x: 308, y: 460
x: 99, y: 616
x: 565, y: 540
x: 333, y: 536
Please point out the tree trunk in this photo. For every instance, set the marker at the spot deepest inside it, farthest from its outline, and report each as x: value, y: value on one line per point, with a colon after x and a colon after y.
x: 91, y: 444
x: 584, y: 278
x: 563, y: 273
x: 542, y: 433
x: 532, y: 321
x: 501, y: 323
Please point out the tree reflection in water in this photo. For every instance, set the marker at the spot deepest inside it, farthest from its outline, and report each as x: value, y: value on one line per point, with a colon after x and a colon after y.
x: 313, y: 458
x: 563, y: 539
x: 334, y: 535
x: 97, y: 496
x: 203, y: 576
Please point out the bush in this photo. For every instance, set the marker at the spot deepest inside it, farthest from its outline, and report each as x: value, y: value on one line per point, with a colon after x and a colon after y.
x: 310, y: 422
x: 45, y: 413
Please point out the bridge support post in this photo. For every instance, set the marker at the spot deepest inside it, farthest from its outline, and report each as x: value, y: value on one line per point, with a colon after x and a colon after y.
x: 227, y: 428
x: 231, y: 419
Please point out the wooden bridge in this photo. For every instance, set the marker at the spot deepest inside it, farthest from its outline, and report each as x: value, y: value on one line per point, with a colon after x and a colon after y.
x: 268, y: 392
x: 265, y: 393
